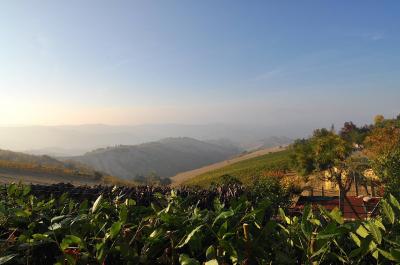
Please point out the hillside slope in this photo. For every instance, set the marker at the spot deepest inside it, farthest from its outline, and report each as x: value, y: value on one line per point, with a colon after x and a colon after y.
x: 6, y: 155
x: 17, y: 166
x: 245, y: 170
x: 187, y: 175
x: 164, y: 158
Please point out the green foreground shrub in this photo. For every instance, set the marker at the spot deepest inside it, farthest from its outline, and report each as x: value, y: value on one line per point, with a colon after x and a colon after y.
x: 117, y: 231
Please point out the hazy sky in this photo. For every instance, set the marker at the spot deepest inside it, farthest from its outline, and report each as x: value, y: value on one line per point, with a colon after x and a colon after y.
x: 131, y: 62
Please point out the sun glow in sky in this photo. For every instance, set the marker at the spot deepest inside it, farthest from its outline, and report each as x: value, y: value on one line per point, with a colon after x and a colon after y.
x: 131, y: 62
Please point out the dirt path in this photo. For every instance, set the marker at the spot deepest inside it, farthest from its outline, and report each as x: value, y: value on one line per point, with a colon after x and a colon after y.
x: 181, y: 177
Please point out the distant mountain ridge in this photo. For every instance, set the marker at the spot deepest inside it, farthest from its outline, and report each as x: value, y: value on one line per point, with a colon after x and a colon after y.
x: 274, y: 141
x: 164, y: 158
x: 78, y: 139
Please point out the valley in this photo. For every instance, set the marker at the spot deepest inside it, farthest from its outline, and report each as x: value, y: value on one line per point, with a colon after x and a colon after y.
x: 163, y: 158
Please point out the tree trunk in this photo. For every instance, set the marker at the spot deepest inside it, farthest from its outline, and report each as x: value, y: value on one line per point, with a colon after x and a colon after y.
x: 356, y: 183
x: 342, y: 193
x: 373, y: 189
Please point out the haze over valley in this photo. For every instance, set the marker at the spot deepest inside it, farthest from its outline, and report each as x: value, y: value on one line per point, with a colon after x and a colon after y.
x: 163, y: 158
x: 79, y: 139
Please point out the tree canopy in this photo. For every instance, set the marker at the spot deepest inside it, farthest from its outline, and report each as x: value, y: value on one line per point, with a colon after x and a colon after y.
x: 333, y: 156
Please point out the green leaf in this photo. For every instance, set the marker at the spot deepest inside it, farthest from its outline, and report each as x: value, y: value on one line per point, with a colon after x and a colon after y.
x: 320, y: 251
x: 387, y: 255
x: 356, y: 239
x: 340, y: 258
x: 210, y: 253
x: 218, y: 206
x: 396, y: 254
x: 115, y: 228
x: 189, y: 236
x: 375, y: 232
x: 186, y: 260
x: 57, y: 218
x: 394, y: 201
x: 373, y: 248
x: 222, y: 229
x: 26, y: 190
x: 97, y: 203
x: 54, y: 227
x: 11, y: 189
x: 40, y: 236
x: 387, y: 211
x: 23, y: 213
x: 228, y: 235
x: 266, y: 231
x: 223, y: 216
x: 284, y: 217
x: 123, y: 214
x: 305, y: 226
x: 391, y: 242
x: 130, y: 202
x: 306, y: 213
x: 375, y: 254
x: 5, y: 259
x: 156, y: 233
x: 174, y: 194
x: 379, y: 224
x: 362, y: 232
x: 211, y: 262
x: 83, y: 206
x: 315, y: 221
x: 330, y: 231
x: 70, y: 240
x: 336, y: 215
x: 100, y: 253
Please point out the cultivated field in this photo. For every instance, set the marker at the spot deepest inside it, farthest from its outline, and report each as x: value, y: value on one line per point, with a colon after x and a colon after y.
x: 185, y: 176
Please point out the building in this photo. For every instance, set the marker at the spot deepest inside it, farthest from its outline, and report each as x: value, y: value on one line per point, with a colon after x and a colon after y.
x: 356, y: 207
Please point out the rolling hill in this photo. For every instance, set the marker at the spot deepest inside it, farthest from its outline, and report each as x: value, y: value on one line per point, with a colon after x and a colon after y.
x: 244, y: 170
x: 164, y: 158
x: 18, y: 157
x: 17, y: 166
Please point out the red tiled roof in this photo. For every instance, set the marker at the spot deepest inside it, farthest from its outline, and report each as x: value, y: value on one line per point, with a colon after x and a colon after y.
x: 360, y: 208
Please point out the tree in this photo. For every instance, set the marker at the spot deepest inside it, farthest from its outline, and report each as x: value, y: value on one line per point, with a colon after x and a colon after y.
x: 356, y: 166
x: 382, y: 149
x: 382, y: 140
x: 378, y: 119
x: 325, y: 154
x: 353, y: 134
x: 302, y: 158
x: 387, y: 167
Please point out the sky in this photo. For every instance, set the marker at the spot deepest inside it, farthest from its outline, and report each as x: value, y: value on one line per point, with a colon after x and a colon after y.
x: 196, y: 62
